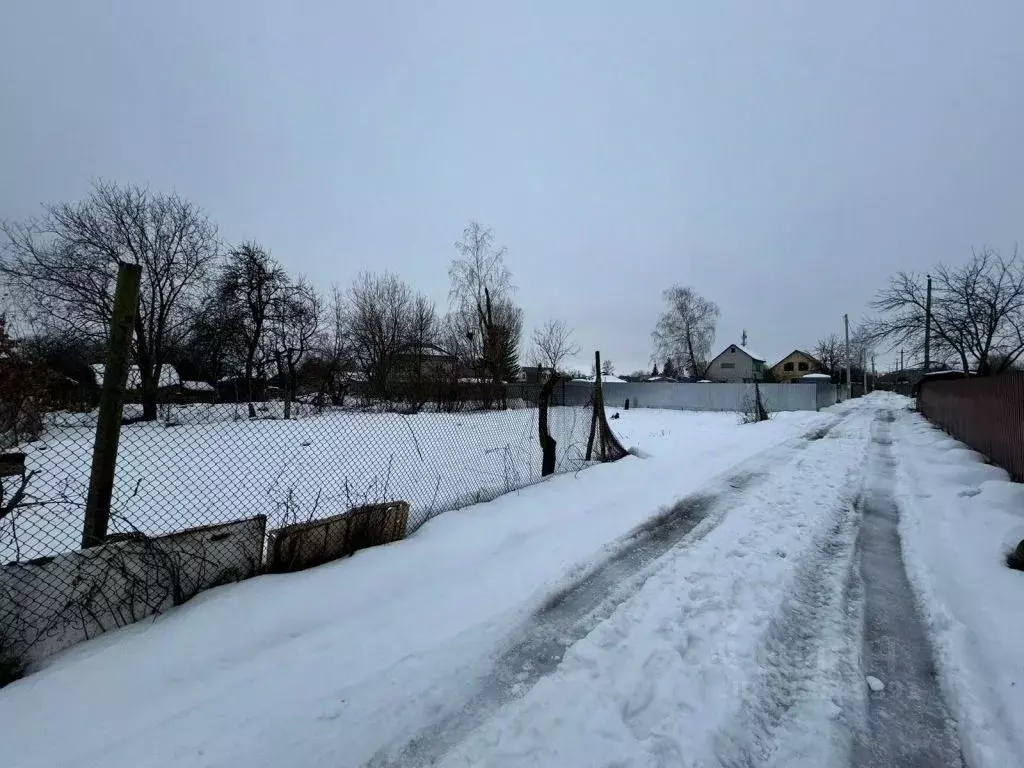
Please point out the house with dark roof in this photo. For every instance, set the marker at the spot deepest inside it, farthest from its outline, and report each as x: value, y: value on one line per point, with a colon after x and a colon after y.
x: 737, y: 363
x: 796, y: 364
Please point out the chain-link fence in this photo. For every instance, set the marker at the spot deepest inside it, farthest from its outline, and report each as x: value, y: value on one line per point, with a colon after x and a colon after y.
x: 202, y: 494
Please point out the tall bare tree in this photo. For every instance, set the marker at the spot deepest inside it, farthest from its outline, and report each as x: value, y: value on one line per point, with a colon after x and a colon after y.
x: 336, y: 353
x: 64, y: 263
x: 686, y: 329
x: 249, y: 285
x: 831, y: 353
x: 294, y: 325
x: 977, y: 312
x: 379, y: 309
x: 480, y: 293
x: 553, y: 345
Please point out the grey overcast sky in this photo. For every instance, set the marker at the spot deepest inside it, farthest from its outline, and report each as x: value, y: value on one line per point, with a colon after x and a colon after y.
x: 782, y: 158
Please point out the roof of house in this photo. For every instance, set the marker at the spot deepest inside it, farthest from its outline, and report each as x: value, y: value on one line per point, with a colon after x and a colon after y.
x: 168, y: 376
x: 609, y: 379
x: 745, y: 350
x: 197, y: 386
x: 808, y: 355
x: 426, y: 350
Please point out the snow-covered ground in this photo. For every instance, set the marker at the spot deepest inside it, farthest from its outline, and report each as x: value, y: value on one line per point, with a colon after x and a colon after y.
x: 214, y: 467
x: 700, y: 606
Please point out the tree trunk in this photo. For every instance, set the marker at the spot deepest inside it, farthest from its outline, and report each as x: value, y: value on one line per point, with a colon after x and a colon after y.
x: 548, y: 444
x: 147, y: 382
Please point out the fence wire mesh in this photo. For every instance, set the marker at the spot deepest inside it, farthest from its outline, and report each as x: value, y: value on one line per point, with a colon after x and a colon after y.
x: 201, y: 493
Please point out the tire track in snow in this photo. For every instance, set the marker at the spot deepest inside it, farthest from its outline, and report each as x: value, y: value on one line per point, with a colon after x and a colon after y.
x: 800, y: 705
x: 908, y: 723
x: 851, y: 614
x: 573, y: 611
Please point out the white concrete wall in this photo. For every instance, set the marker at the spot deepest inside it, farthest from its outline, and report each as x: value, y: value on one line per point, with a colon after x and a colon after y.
x: 50, y: 604
x: 705, y: 397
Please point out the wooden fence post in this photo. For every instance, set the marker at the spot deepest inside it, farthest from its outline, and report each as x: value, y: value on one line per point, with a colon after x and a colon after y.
x: 108, y: 422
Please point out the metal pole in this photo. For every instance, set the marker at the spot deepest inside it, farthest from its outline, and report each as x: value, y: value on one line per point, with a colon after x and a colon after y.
x: 928, y: 328
x: 849, y: 374
x: 108, y: 422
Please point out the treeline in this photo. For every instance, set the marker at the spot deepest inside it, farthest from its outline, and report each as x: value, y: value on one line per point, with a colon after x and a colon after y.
x: 232, y: 313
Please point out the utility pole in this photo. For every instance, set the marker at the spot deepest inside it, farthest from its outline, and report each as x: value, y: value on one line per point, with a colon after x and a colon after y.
x: 849, y: 381
x: 928, y: 327
x: 874, y: 372
x: 902, y: 369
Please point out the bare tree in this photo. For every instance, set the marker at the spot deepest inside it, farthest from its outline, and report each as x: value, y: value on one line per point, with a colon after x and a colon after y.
x: 480, y: 293
x: 421, y: 348
x: 294, y: 324
x: 337, y: 353
x: 379, y: 309
x: 686, y: 330
x: 249, y: 285
x: 607, y: 368
x: 831, y: 353
x: 553, y: 345
x: 977, y: 312
x: 64, y: 264
x: 214, y: 339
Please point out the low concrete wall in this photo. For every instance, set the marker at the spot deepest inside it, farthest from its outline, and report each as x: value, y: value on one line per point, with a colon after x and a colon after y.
x: 705, y: 397
x: 52, y: 603
x: 304, y: 545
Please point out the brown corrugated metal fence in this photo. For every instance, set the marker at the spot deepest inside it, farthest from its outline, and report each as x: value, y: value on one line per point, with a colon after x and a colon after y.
x: 986, y: 413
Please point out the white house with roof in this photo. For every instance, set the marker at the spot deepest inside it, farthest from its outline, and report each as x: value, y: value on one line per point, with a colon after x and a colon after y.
x: 737, y: 363
x: 168, y: 377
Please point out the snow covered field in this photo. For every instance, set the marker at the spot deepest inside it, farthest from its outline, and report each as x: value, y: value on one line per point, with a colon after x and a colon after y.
x: 701, y: 606
x: 214, y: 468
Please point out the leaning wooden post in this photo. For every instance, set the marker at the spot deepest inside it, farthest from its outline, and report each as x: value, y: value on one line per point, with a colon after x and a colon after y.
x: 598, y: 403
x: 108, y: 422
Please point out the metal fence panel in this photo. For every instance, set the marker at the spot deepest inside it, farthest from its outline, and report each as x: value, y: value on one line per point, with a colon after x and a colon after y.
x: 985, y: 413
x: 701, y: 397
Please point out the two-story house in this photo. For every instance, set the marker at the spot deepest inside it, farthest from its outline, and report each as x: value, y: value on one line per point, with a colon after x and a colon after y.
x: 737, y: 363
x: 796, y: 364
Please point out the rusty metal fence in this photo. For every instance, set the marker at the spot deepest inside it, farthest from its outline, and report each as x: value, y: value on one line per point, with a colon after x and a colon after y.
x: 985, y: 413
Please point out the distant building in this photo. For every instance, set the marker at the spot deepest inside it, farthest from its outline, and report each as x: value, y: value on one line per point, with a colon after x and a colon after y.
x: 796, y: 364
x: 532, y: 374
x: 737, y: 363
x: 167, y: 379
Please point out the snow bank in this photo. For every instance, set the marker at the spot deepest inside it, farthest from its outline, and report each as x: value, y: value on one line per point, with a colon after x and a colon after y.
x: 959, y: 517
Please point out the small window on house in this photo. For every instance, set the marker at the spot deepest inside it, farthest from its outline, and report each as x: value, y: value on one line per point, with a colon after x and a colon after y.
x: 732, y: 349
x: 802, y: 366
x: 787, y: 367
x: 728, y: 365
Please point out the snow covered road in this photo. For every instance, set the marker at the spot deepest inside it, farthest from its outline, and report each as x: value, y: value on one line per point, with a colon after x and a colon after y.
x: 717, y: 603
